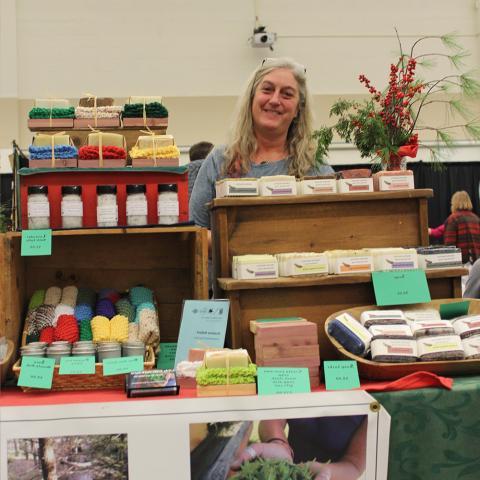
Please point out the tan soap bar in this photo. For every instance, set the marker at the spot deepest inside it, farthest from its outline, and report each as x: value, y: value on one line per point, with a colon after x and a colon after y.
x: 224, y: 358
x: 114, y: 139
x: 44, y: 140
x: 144, y: 99
x: 146, y: 141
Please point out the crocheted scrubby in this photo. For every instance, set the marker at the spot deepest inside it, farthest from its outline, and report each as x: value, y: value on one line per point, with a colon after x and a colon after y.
x: 148, y: 329
x: 110, y: 294
x: 39, y: 318
x: 119, y: 328
x: 69, y: 295
x: 105, y: 308
x: 139, y: 295
x: 100, y: 329
x: 67, y: 329
x: 143, y: 306
x: 53, y: 296
x: 153, y: 110
x: 171, y: 151
x: 45, y: 152
x: 62, y: 309
x: 56, y: 112
x: 85, y: 330
x: 125, y: 308
x: 83, y: 312
x: 91, y: 152
x: 47, y: 334
x: 36, y: 300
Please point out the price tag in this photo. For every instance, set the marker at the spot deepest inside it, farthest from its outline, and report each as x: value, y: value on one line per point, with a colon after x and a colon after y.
x: 341, y: 374
x: 77, y: 365
x: 276, y: 381
x: 38, y: 209
x: 137, y: 207
x: 107, y: 213
x: 115, y: 366
x: 72, y: 209
x: 36, y: 243
x: 168, y: 208
x: 166, y: 357
x: 36, y: 372
x: 400, y: 287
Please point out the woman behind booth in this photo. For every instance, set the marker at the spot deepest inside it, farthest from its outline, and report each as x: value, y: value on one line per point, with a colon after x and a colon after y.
x: 272, y: 134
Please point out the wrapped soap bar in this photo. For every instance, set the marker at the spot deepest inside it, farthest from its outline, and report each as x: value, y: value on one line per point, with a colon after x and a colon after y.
x: 444, y: 347
x: 431, y: 328
x: 394, y: 350
x: 147, y: 141
x: 226, y: 358
x: 355, y: 173
x: 186, y: 372
x: 390, y: 331
x: 93, y: 101
x: 236, y: 187
x: 305, y: 263
x: 382, y: 317
x: 394, y: 258
x: 351, y: 334
x: 45, y: 140
x: 467, y: 326
x: 439, y: 257
x: 249, y: 267
x: 472, y: 347
x: 277, y: 185
x: 428, y: 314
x: 52, y: 103
x: 349, y: 261
x: 389, y: 181
x: 355, y: 185
x: 111, y: 139
x: 317, y: 185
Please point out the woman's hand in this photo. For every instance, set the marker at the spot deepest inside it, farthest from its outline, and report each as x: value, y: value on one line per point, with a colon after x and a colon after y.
x: 262, y: 450
x: 321, y: 472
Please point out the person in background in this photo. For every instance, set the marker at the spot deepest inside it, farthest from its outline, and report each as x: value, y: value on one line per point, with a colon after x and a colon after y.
x: 472, y: 286
x: 198, y: 153
x: 436, y: 233
x: 272, y: 134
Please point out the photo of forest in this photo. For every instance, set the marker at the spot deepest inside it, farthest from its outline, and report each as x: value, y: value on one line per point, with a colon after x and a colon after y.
x: 78, y: 457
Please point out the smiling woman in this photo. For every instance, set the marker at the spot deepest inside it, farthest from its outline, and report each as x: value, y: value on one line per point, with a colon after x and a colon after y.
x: 272, y: 134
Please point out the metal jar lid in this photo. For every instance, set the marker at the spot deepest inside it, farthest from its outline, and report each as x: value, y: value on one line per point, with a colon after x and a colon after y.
x: 36, y: 345
x: 32, y: 189
x: 136, y: 188
x: 106, y: 189
x: 71, y: 190
x: 167, y: 187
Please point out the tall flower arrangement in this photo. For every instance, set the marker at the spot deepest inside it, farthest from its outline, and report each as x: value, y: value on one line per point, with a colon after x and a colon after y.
x: 386, y: 125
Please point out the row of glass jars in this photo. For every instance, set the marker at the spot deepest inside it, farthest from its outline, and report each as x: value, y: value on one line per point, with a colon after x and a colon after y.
x: 101, y: 351
x: 38, y: 206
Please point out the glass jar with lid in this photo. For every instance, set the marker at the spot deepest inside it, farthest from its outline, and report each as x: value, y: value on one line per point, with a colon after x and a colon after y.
x: 107, y: 207
x: 38, y: 207
x: 168, y: 206
x: 136, y: 205
x: 72, y: 206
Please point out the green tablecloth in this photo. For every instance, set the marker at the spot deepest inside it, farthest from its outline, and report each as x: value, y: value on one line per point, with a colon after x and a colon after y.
x: 435, y: 433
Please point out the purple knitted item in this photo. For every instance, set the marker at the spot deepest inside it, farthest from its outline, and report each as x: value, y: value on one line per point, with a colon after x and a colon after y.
x: 105, y: 308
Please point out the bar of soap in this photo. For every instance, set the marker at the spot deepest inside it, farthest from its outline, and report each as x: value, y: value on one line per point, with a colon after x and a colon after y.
x: 351, y: 334
x: 236, y: 187
x: 144, y: 99
x: 472, y: 347
x: 45, y: 140
x: 394, y: 350
x: 114, y: 139
x: 146, y: 141
x: 428, y: 314
x: 391, y: 331
x: 394, y: 258
x: 224, y: 358
x: 444, y: 347
x: 431, y: 328
x: 467, y: 325
x: 277, y: 185
x: 382, y: 317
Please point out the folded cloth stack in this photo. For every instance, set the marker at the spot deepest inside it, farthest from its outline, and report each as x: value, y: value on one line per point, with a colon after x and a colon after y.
x: 170, y: 151
x: 91, y: 152
x: 56, y: 112
x: 152, y: 110
x: 101, y: 112
x: 45, y: 153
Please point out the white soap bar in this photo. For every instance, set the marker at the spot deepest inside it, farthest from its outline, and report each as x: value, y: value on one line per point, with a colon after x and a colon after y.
x: 391, y: 331
x: 317, y: 186
x: 428, y: 314
x: 394, y: 259
x: 398, y: 182
x: 248, y: 267
x: 382, y: 317
x: 394, y: 350
x: 343, y: 263
x: 431, y: 328
x: 309, y: 263
x: 146, y: 141
x: 467, y: 325
x: 446, y: 347
x: 355, y: 185
x: 236, y: 187
x: 440, y: 260
x: 277, y: 185
x: 472, y: 347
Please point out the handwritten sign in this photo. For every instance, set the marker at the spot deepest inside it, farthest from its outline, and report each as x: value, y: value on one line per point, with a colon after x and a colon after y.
x: 400, y: 287
x: 341, y: 374
x: 166, y: 357
x: 36, y: 243
x: 77, y: 365
x: 36, y: 372
x: 116, y: 366
x: 279, y: 380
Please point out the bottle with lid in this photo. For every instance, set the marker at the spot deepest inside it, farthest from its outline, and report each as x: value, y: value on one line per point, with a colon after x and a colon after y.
x: 168, y: 206
x: 72, y: 206
x: 38, y: 207
x: 136, y: 205
x: 107, y: 208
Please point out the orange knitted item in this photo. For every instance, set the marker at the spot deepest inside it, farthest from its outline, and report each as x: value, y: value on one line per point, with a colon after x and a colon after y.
x: 47, y: 334
x: 67, y: 329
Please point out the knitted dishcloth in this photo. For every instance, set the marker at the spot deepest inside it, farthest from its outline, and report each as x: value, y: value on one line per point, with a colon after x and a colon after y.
x: 119, y: 328
x: 143, y: 306
x: 133, y: 332
x: 39, y: 318
x: 52, y: 296
x: 135, y: 110
x: 140, y: 295
x: 45, y: 152
x: 171, y: 151
x: 47, y: 334
x: 69, y: 295
x: 112, y: 111
x: 105, y: 308
x: 91, y: 152
x: 37, y: 299
x: 125, y: 308
x: 56, y: 112
x: 61, y: 310
x: 148, y: 329
x: 100, y: 329
x: 85, y: 330
x: 83, y: 312
x: 66, y: 329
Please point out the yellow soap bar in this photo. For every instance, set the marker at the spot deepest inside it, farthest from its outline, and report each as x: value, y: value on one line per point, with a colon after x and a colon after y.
x: 44, y: 140
x: 114, y: 139
x: 222, y: 358
x: 146, y: 141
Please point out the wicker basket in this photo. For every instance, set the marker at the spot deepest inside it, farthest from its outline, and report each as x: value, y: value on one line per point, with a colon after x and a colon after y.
x: 5, y: 364
x: 87, y: 382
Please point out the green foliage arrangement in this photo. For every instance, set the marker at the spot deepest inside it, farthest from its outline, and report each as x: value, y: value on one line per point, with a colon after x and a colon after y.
x: 273, y: 469
x: 387, y: 124
x: 218, y: 376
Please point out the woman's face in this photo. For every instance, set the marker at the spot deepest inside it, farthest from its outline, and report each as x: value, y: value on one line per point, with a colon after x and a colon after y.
x: 275, y: 102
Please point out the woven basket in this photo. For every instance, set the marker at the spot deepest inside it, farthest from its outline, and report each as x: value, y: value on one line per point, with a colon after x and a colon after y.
x: 87, y: 382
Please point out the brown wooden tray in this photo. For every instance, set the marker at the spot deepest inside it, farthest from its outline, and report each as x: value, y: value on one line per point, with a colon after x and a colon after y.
x: 369, y: 369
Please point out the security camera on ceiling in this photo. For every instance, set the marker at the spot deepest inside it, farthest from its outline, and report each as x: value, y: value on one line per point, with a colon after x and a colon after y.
x: 262, y: 39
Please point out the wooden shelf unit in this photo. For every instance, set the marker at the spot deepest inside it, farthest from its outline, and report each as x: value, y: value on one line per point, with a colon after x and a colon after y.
x: 259, y: 225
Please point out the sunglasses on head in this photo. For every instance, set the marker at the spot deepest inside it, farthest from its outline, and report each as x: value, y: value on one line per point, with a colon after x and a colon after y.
x: 267, y: 60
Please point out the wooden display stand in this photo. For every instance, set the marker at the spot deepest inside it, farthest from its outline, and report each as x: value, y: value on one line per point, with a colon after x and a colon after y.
x: 172, y: 261
x: 260, y: 225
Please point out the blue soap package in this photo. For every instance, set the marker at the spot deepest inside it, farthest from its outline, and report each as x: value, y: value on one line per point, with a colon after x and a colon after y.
x: 351, y: 334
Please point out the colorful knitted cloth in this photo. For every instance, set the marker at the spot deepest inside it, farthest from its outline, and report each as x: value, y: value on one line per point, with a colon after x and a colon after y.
x: 45, y: 153
x: 52, y: 296
x: 140, y: 295
x: 91, y: 152
x: 109, y: 293
x: 125, y: 308
x: 171, y: 151
x: 37, y: 299
x: 69, y: 295
x: 83, y: 312
x: 148, y: 329
x: 39, y: 318
x: 135, y: 110
x: 100, y: 329
x: 67, y: 329
x: 56, y: 112
x: 119, y: 328
x: 61, y: 310
x: 143, y: 306
x: 47, y: 335
x: 105, y: 308
x: 112, y: 111
x: 85, y: 330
